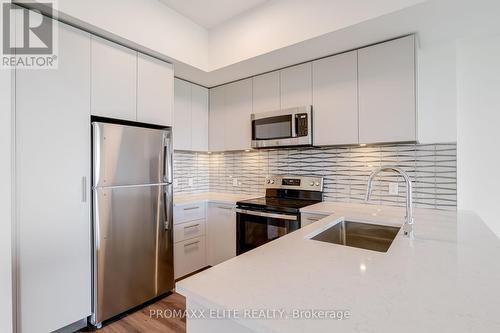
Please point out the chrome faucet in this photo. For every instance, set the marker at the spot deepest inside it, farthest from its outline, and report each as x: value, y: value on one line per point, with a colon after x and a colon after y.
x: 408, y: 226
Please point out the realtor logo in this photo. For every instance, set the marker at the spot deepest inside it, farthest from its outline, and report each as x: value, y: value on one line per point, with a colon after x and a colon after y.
x: 28, y: 36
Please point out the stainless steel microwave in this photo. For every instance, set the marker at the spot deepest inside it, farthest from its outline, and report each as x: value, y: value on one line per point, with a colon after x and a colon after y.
x: 283, y: 128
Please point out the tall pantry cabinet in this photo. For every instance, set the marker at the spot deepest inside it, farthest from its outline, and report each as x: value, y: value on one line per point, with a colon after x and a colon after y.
x: 53, y: 188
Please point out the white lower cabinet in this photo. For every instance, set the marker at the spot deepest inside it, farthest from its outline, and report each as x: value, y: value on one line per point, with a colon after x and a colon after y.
x: 189, y: 256
x: 189, y: 212
x: 221, y: 233
x: 189, y: 238
x: 189, y: 230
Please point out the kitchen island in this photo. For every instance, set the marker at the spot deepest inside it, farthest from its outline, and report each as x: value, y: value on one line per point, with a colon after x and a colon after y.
x: 444, y: 280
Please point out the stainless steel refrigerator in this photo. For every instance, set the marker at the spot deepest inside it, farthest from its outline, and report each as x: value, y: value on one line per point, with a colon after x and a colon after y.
x: 132, y: 217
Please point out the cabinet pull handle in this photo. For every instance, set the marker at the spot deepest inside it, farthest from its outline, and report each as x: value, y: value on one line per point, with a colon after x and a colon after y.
x: 84, y: 189
x: 189, y: 244
x: 191, y: 226
x: 227, y: 208
x: 312, y: 219
x: 191, y: 208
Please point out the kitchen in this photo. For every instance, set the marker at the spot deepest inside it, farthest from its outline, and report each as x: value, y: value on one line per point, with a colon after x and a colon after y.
x: 248, y: 176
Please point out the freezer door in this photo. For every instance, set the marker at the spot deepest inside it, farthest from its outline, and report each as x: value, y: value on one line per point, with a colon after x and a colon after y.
x: 129, y: 155
x: 133, y: 259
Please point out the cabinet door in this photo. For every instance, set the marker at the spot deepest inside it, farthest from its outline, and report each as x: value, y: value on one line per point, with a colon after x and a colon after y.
x: 335, y: 95
x: 199, y: 116
x: 221, y: 233
x: 155, y: 91
x: 114, y: 80
x: 182, y: 115
x: 238, y: 135
x: 53, y: 187
x: 216, y: 123
x: 387, y: 92
x: 296, y: 86
x: 266, y: 92
x: 189, y: 256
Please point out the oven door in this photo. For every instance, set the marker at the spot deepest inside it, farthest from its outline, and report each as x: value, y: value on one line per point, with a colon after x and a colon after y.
x: 255, y: 228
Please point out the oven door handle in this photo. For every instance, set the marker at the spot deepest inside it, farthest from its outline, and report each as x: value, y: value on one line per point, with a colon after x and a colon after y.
x: 264, y: 214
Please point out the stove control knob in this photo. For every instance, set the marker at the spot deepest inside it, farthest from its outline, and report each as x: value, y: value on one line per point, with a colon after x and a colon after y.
x: 269, y: 181
x: 272, y: 181
x: 311, y: 184
x: 317, y: 184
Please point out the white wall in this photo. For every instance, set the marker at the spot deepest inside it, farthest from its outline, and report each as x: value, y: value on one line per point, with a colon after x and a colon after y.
x: 437, y: 92
x: 148, y: 23
x: 280, y: 23
x: 478, y: 87
x: 5, y: 203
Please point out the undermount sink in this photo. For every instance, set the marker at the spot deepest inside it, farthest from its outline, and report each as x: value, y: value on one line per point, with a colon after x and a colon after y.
x: 361, y: 235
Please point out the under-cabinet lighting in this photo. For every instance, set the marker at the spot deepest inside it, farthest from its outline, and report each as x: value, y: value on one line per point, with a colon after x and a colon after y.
x: 362, y: 144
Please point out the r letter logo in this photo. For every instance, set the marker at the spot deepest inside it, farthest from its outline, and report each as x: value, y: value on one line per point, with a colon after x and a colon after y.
x: 28, y: 36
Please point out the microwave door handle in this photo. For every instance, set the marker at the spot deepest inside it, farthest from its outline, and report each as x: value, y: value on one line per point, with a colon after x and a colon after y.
x: 294, y: 126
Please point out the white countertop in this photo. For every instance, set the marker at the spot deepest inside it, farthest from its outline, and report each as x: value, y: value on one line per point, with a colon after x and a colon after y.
x: 445, y: 280
x: 227, y: 198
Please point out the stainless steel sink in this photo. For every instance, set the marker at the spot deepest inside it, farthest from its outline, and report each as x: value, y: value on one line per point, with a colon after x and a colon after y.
x: 361, y: 235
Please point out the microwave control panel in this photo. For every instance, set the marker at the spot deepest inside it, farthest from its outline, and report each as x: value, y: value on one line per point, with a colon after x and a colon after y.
x: 301, y: 121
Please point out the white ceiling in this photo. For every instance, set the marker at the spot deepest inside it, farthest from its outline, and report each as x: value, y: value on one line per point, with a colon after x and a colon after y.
x: 209, y: 13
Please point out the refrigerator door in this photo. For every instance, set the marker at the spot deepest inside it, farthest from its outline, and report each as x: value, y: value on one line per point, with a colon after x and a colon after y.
x: 133, y: 247
x: 129, y: 155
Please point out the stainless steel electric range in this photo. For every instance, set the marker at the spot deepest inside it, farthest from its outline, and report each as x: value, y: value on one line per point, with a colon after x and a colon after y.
x: 262, y: 220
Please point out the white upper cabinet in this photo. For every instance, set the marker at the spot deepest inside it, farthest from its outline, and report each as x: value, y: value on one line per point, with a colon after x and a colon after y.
x: 296, y: 86
x: 190, y: 117
x: 229, y: 121
x: 335, y: 96
x: 155, y: 91
x: 216, y: 122
x: 266, y: 92
x: 387, y: 111
x: 182, y: 115
x: 53, y: 183
x: 114, y: 80
x: 238, y: 106
x: 199, y: 116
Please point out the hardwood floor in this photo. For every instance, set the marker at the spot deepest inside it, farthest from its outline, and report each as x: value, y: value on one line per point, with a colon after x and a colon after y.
x: 142, y: 322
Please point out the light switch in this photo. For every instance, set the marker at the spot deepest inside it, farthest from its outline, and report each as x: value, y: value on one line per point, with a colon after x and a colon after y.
x: 190, y: 181
x: 235, y: 181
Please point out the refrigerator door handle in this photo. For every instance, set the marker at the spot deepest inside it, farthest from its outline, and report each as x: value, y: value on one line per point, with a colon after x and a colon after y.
x: 167, y: 158
x: 167, y: 206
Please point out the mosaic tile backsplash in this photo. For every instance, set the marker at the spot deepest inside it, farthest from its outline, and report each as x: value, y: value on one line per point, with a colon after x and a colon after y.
x: 432, y: 168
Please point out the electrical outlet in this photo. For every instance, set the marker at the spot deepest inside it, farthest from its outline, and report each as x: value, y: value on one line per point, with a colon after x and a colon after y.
x: 235, y: 181
x: 176, y: 182
x: 190, y: 181
x: 393, y: 188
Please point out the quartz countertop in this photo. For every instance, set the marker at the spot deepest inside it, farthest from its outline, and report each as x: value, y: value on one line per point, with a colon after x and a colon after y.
x: 227, y: 198
x: 447, y: 279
